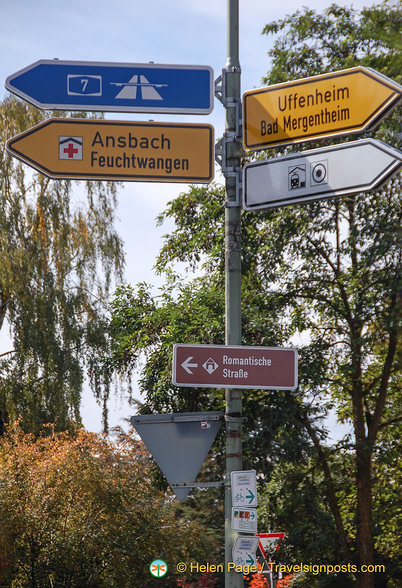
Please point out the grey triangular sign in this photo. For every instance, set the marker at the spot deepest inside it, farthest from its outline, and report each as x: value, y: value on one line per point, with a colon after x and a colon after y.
x: 179, y: 443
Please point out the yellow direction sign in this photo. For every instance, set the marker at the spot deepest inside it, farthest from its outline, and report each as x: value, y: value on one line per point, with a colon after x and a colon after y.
x: 114, y: 150
x: 338, y: 103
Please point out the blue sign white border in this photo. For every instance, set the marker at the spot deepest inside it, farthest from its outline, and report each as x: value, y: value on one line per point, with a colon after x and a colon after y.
x: 111, y: 108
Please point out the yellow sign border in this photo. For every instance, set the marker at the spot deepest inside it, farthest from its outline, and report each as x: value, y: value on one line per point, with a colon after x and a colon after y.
x: 370, y: 122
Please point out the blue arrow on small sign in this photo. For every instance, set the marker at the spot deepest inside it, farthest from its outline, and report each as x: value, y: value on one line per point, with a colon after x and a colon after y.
x: 250, y: 496
x: 115, y: 87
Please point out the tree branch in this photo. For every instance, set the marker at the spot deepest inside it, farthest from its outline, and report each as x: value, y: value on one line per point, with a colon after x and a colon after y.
x: 8, y: 352
x: 333, y: 503
x: 390, y: 422
x: 383, y: 387
x: 349, y: 316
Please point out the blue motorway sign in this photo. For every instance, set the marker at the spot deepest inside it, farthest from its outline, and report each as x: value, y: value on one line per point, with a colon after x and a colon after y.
x: 115, y: 87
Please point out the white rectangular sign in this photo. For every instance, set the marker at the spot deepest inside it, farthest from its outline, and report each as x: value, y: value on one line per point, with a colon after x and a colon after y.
x: 245, y: 551
x: 244, y: 488
x: 244, y: 520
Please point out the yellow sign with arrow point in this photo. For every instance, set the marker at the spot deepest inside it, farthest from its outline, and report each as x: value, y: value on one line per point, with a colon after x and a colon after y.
x: 114, y: 150
x: 339, y: 103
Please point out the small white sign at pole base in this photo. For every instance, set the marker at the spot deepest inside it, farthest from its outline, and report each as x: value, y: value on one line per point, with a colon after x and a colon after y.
x: 245, y: 551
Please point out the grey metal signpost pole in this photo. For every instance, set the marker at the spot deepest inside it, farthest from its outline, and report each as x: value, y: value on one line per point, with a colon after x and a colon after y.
x: 231, y: 167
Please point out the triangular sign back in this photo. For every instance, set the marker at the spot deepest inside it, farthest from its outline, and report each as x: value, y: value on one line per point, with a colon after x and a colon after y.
x: 179, y: 443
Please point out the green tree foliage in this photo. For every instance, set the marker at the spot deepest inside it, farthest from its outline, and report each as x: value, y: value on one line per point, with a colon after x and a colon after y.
x: 77, y: 510
x: 144, y: 326
x: 309, y: 43
x: 349, y: 259
x: 323, y: 276
x: 58, y: 252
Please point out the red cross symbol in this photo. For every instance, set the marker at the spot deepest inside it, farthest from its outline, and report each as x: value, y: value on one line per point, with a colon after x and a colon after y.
x: 70, y: 150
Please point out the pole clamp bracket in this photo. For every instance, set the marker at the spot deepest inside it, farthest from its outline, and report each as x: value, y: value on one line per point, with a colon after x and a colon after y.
x: 228, y: 171
x: 234, y: 419
x: 230, y: 102
x: 197, y: 484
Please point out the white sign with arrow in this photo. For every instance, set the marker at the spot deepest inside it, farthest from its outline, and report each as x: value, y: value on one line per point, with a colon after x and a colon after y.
x: 245, y: 551
x: 244, y: 488
x: 337, y: 170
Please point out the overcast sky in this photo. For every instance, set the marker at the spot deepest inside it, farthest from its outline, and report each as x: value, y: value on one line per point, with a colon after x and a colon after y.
x: 188, y: 32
